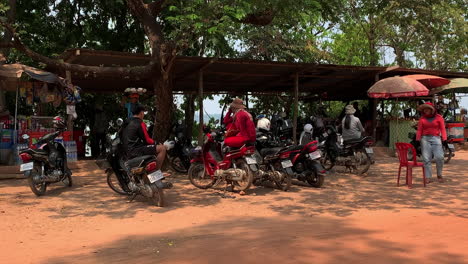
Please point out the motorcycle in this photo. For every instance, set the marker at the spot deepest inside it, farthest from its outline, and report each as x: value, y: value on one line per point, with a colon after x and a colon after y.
x: 46, y: 164
x: 137, y: 176
x: 211, y: 165
x: 179, y: 154
x: 355, y: 155
x: 271, y: 167
x: 305, y: 161
x: 448, y: 147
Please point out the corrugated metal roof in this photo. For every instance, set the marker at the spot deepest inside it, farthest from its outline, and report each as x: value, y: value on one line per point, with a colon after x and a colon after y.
x: 241, y: 75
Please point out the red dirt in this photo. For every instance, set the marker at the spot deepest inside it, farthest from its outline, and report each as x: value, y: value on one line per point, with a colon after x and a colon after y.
x: 351, y: 220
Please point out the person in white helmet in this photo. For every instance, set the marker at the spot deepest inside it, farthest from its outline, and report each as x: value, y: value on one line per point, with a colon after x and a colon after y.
x: 263, y: 123
x: 306, y: 135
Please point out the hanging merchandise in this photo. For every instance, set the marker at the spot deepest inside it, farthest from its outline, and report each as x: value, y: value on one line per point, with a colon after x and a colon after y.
x: 24, y: 88
x: 57, y: 98
x: 37, y: 90
x: 44, y: 91
x: 71, y: 110
x: 71, y: 94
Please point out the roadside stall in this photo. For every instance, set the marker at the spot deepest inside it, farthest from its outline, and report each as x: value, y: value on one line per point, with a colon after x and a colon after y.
x: 398, y: 87
x: 35, y: 91
x: 457, y: 125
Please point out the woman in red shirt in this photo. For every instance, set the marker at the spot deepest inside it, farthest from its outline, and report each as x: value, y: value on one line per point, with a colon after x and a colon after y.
x: 431, y: 132
x: 240, y: 124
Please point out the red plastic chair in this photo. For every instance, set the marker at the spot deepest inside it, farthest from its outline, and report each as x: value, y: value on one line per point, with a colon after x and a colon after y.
x: 403, y: 149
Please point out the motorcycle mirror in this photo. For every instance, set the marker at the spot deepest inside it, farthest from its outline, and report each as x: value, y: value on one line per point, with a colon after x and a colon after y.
x: 119, y: 121
x: 25, y: 136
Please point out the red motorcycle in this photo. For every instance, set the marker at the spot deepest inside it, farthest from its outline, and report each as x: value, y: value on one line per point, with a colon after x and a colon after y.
x: 303, y: 163
x: 210, y: 164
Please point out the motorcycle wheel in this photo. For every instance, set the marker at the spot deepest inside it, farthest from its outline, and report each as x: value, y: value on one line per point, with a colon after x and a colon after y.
x: 178, y: 165
x: 327, y: 163
x: 363, y: 161
x: 314, y: 179
x: 114, y: 184
x: 158, y: 195
x: 37, y: 188
x: 246, y: 182
x: 447, y: 154
x: 284, y: 183
x: 198, y: 176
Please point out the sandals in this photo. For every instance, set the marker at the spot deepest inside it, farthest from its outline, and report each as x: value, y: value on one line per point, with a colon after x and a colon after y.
x: 440, y: 179
x: 429, y: 180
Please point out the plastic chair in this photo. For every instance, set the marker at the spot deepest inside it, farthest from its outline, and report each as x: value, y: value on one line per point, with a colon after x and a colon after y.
x: 403, y: 149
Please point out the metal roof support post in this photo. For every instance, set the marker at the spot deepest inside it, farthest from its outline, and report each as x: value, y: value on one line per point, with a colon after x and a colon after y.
x: 375, y: 103
x: 296, y: 106
x: 200, y: 103
x: 70, y: 117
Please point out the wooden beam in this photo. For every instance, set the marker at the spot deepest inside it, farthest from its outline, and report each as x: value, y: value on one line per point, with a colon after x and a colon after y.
x: 296, y: 106
x: 200, y: 102
x: 198, y: 69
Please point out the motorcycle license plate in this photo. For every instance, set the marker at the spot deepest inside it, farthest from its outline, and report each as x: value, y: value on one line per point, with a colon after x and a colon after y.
x: 370, y: 151
x: 315, y: 155
x: 286, y: 164
x: 155, y: 176
x: 27, y: 166
x: 451, y: 147
x: 250, y: 160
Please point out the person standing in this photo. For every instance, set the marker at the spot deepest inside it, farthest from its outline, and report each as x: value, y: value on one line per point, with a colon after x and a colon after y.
x: 352, y: 127
x: 431, y: 133
x: 99, y: 131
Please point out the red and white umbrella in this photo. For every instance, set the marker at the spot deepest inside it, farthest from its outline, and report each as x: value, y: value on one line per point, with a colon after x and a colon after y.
x: 395, y: 87
x: 430, y: 81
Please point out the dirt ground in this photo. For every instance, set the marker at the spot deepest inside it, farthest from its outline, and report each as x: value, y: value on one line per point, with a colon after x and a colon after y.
x: 351, y: 220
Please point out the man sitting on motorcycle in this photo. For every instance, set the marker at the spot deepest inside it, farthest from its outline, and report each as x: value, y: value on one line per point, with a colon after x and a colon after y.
x: 240, y: 125
x: 139, y: 143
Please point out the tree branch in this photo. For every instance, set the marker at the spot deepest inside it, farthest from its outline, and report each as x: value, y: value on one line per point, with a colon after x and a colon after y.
x: 134, y: 72
x: 156, y: 7
x: 262, y: 18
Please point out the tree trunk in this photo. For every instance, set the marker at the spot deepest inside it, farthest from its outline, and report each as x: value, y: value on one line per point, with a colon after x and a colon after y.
x: 163, y: 102
x: 400, y: 56
x: 189, y: 115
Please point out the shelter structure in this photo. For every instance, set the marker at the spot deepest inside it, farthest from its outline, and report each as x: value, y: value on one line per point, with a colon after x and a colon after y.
x: 242, y: 76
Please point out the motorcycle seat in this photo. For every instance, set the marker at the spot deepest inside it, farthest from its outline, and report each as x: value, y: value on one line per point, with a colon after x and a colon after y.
x: 135, y: 162
x: 35, y: 151
x: 355, y: 140
x: 231, y: 149
x: 294, y: 147
x: 270, y: 151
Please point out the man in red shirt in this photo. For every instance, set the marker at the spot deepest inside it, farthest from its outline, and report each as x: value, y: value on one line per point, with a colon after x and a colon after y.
x: 239, y: 121
x: 431, y: 132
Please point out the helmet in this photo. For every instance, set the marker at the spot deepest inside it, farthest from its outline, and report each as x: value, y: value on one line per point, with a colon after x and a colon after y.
x: 308, y: 128
x: 264, y: 124
x: 58, y: 123
x: 169, y: 144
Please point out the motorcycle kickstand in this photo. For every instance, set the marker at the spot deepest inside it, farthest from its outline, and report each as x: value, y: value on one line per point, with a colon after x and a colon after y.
x: 134, y: 195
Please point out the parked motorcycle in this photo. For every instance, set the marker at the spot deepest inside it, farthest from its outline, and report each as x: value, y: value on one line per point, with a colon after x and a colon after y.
x: 137, y: 176
x: 48, y: 163
x: 212, y: 165
x: 355, y: 155
x: 448, y: 147
x: 179, y: 154
x: 305, y: 160
x: 271, y: 168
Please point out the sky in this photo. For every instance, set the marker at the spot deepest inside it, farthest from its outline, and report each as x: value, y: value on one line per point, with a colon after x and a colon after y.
x: 212, y: 106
